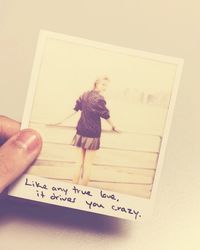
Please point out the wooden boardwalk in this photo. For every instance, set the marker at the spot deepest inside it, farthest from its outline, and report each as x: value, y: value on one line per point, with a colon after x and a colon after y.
x: 126, y: 162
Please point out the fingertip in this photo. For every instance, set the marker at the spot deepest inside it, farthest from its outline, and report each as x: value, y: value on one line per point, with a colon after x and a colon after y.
x: 30, y: 139
x: 17, y: 154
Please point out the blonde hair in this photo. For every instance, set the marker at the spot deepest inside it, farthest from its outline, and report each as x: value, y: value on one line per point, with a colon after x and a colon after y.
x: 104, y: 78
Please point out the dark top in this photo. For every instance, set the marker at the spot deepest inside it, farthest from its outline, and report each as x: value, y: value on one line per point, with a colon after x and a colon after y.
x: 93, y: 107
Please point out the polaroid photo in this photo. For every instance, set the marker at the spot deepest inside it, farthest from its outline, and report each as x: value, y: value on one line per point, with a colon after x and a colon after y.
x: 104, y: 113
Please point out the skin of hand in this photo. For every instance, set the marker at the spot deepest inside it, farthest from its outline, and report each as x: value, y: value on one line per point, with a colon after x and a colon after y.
x: 116, y: 130
x: 109, y: 121
x: 18, y: 149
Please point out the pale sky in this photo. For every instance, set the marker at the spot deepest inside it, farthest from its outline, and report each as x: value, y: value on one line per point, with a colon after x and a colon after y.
x: 68, y: 69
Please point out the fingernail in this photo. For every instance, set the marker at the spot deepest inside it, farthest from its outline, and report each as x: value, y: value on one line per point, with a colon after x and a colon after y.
x: 28, y: 140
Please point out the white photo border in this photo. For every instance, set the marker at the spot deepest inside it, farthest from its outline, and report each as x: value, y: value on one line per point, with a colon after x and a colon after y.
x: 144, y: 206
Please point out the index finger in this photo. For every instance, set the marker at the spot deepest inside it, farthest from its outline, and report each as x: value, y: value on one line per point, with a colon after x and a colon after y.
x: 8, y: 127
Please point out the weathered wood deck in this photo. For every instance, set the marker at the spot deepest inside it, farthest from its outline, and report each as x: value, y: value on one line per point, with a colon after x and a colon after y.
x: 126, y: 162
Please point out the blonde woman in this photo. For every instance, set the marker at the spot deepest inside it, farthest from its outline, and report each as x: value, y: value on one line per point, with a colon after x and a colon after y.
x: 88, y: 130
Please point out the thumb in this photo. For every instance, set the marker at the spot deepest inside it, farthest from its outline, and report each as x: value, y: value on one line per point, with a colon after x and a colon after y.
x: 17, y: 154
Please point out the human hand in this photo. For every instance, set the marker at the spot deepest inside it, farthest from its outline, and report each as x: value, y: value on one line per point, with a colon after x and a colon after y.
x: 18, y: 149
x: 116, y: 130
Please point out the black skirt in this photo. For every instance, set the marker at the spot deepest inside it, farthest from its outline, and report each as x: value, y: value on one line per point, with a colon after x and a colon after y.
x: 87, y: 143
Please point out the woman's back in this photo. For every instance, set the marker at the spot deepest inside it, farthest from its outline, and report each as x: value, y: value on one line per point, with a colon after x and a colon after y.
x: 92, y: 106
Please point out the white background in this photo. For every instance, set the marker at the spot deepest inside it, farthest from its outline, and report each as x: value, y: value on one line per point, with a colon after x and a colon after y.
x: 165, y: 27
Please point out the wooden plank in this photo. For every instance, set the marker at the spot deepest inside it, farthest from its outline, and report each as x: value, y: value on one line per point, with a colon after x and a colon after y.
x: 131, y: 141
x: 121, y: 169
x: 128, y: 114
x: 126, y: 158
x: 60, y: 152
x: 97, y: 174
x: 124, y: 140
x: 139, y: 190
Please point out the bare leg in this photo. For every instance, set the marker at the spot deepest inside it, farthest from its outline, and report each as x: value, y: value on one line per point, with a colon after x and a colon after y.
x: 79, y: 163
x: 88, y: 161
